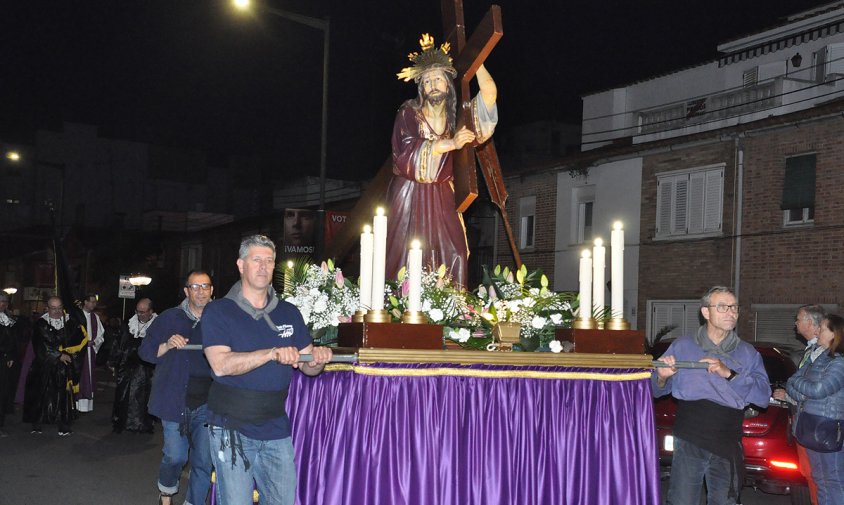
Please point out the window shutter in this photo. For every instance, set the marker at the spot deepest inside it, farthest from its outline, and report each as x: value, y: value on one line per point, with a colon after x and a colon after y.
x: 750, y: 77
x: 692, y: 318
x: 798, y: 188
x: 681, y: 204
x: 697, y: 186
x: 713, y: 202
x: 820, y: 65
x: 660, y: 318
x: 665, y: 188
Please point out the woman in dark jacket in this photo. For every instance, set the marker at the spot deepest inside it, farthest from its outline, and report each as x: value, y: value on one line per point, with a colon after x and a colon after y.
x: 818, y: 388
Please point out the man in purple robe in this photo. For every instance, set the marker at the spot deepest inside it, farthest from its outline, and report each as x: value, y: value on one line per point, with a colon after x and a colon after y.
x: 420, y: 197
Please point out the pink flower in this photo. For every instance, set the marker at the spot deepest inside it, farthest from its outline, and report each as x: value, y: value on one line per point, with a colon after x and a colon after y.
x: 338, y: 278
x: 405, y: 288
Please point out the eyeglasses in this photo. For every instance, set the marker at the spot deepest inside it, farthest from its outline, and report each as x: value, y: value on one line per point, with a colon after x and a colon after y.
x: 196, y: 287
x: 722, y: 308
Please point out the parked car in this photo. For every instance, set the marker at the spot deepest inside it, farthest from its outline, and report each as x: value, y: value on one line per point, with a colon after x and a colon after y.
x: 770, y: 458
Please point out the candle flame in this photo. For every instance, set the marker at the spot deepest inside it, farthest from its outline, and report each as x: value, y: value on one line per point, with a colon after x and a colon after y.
x: 586, y: 254
x: 379, y: 211
x: 290, y: 264
x: 617, y: 225
x: 415, y: 244
x: 367, y: 229
x: 599, y: 242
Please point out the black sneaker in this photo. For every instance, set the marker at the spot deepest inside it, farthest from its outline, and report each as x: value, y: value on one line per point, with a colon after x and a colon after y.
x: 65, y: 433
x: 36, y: 430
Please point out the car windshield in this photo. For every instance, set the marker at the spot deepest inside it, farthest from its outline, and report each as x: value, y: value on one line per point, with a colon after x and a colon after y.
x: 777, y: 369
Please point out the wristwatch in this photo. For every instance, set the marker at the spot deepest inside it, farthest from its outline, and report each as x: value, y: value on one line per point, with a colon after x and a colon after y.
x: 732, y: 375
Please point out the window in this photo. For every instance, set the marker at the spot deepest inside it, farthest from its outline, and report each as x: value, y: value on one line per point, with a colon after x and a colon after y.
x: 683, y: 315
x: 527, y: 222
x: 689, y: 202
x: 829, y: 62
x: 775, y: 323
x: 582, y: 214
x: 798, y: 190
x: 750, y: 77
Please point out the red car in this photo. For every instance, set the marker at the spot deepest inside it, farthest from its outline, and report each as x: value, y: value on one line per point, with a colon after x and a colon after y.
x: 770, y: 458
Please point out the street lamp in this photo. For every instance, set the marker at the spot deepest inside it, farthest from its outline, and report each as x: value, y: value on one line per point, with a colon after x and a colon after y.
x: 319, y: 24
x: 139, y: 280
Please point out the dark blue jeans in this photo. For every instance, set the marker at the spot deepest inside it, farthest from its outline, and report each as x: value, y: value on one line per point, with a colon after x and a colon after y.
x: 690, y: 466
x: 828, y: 474
x: 178, y: 449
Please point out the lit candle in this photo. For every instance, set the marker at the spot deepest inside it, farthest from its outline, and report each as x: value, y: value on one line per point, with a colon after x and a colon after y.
x: 414, y: 277
x: 288, y: 278
x: 379, y: 258
x: 585, y: 285
x: 617, y: 270
x: 599, y: 265
x: 366, y: 242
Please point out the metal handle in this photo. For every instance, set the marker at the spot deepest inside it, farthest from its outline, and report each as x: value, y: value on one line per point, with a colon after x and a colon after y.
x: 303, y: 358
x: 680, y: 364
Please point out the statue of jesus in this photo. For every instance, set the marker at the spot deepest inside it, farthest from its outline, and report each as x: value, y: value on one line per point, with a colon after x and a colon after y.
x: 420, y: 197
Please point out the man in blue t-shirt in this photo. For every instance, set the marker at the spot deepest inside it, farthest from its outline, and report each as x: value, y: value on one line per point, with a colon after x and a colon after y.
x: 252, y: 341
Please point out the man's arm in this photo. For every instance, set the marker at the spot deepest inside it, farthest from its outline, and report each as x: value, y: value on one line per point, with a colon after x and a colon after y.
x: 224, y: 361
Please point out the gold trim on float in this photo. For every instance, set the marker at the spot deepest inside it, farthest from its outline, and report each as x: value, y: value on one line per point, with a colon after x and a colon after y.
x: 485, y: 374
x: 466, y: 357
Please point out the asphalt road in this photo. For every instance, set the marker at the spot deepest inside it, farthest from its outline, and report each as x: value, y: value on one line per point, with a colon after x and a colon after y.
x: 96, y: 466
x: 91, y: 466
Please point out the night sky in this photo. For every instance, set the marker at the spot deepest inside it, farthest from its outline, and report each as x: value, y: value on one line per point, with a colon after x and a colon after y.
x: 195, y: 73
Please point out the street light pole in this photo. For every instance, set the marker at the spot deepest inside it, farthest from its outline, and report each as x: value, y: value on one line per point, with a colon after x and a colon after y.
x: 325, y: 26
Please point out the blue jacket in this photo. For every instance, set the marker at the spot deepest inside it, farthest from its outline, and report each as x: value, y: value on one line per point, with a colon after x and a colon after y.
x: 174, y: 368
x: 820, y: 385
x: 751, y: 385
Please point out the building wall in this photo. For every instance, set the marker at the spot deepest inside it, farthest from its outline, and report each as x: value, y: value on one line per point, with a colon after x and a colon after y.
x: 616, y: 187
x: 684, y: 268
x: 544, y: 187
x: 792, y: 265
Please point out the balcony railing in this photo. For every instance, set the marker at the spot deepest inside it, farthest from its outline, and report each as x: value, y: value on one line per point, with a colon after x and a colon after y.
x: 713, y: 108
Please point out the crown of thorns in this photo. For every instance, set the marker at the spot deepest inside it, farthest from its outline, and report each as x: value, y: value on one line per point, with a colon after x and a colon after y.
x: 430, y: 58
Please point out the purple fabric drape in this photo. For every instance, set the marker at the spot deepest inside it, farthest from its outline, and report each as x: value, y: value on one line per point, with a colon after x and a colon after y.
x: 452, y: 440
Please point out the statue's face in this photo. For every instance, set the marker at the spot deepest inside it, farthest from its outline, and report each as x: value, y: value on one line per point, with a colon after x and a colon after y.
x: 434, y: 85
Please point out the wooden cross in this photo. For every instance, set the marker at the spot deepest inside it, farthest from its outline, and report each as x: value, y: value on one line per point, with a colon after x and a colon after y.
x: 468, y: 58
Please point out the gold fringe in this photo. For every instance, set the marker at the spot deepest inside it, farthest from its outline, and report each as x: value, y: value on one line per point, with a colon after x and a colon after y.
x: 486, y: 374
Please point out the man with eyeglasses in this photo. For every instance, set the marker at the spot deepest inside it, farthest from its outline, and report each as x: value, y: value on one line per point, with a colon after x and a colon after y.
x: 711, y: 403
x: 53, y: 379
x: 180, y: 391
x: 253, y: 341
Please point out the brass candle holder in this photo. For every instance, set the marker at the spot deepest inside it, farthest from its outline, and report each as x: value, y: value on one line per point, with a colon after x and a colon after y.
x: 617, y: 323
x: 358, y: 316
x: 413, y: 317
x: 377, y: 316
x: 584, y: 324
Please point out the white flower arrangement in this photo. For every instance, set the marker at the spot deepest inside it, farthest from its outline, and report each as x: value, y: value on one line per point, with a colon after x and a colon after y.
x: 323, y: 296
x: 524, y: 298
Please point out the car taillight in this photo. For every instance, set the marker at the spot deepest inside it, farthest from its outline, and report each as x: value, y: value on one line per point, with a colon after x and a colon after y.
x: 787, y: 465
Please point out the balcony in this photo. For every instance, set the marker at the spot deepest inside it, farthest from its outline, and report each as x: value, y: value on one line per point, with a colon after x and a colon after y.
x: 711, y: 109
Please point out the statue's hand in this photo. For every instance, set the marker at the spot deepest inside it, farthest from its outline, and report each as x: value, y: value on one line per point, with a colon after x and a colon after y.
x: 463, y: 137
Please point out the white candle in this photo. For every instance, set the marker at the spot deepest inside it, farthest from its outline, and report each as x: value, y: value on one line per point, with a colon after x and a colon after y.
x: 617, y: 270
x: 366, y: 242
x: 585, y: 285
x: 379, y: 258
x: 414, y: 277
x: 599, y: 265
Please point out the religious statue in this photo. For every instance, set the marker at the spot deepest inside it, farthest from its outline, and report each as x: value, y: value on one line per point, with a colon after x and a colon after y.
x: 420, y: 196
